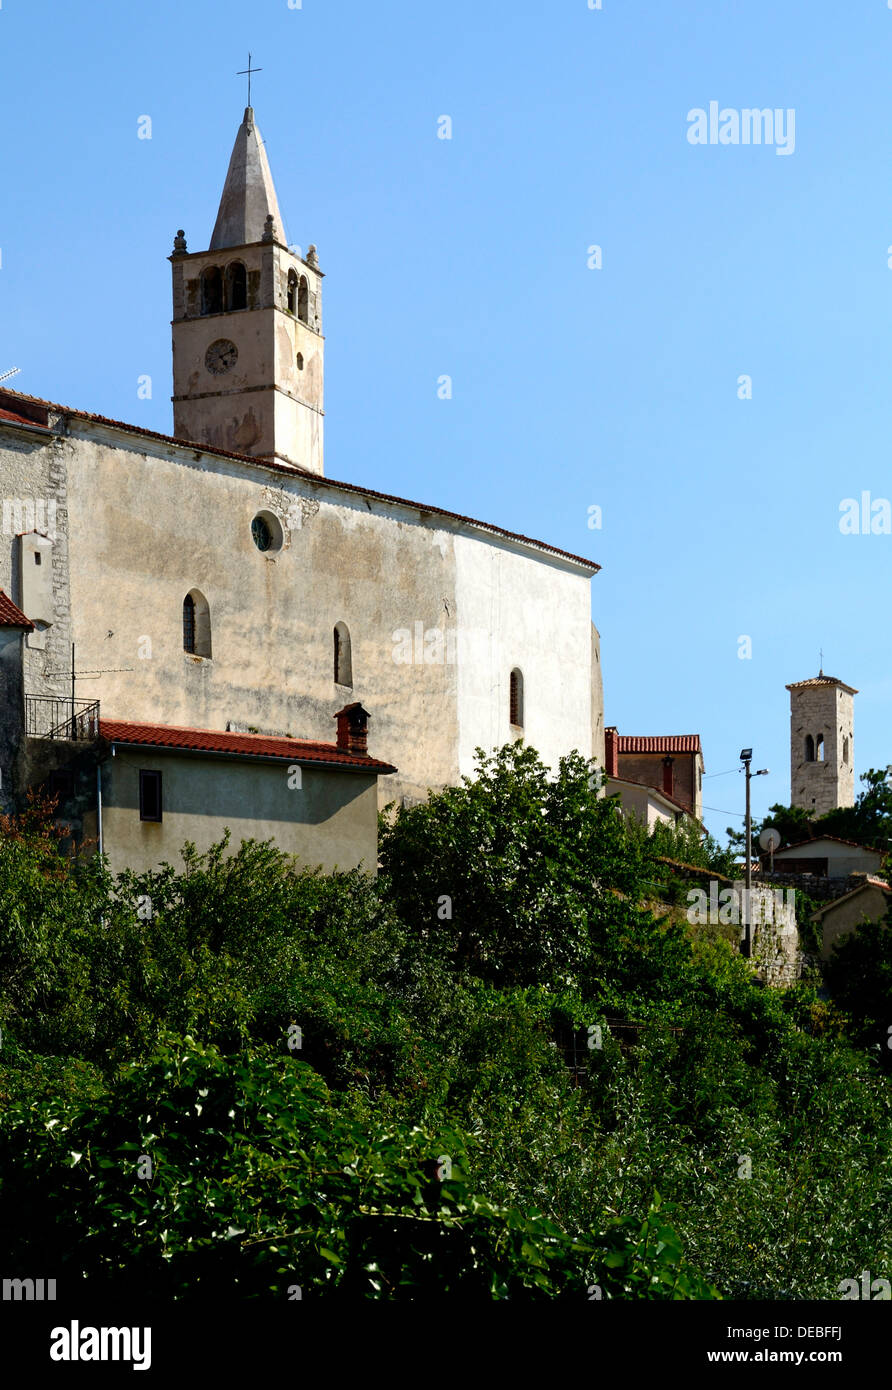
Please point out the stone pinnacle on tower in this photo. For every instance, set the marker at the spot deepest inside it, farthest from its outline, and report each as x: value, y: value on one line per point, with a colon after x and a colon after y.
x: 249, y: 194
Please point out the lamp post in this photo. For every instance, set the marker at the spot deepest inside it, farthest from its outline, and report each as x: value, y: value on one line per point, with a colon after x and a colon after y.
x: 746, y: 756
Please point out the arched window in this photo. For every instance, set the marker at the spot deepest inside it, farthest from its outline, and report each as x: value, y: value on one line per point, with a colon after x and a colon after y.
x: 292, y: 292
x: 303, y: 300
x: 300, y: 361
x: 819, y: 748
x: 211, y: 290
x: 343, y: 657
x: 236, y: 286
x: 515, y: 712
x: 845, y: 751
x: 809, y: 749
x: 196, y: 624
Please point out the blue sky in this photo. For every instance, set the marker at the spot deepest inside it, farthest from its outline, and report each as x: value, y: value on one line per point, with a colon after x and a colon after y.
x: 572, y: 387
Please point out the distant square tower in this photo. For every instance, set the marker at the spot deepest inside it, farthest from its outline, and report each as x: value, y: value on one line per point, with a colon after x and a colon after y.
x: 822, y: 761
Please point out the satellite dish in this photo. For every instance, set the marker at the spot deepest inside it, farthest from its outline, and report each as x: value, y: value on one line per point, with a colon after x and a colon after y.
x: 770, y: 839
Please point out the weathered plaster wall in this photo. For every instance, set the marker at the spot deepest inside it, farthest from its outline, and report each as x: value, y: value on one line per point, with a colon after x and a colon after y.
x: 637, y: 801
x: 597, y: 700
x: 331, y: 819
x: 437, y: 616
x: 870, y: 905
x: 841, y: 859
x: 514, y: 610
x: 154, y: 528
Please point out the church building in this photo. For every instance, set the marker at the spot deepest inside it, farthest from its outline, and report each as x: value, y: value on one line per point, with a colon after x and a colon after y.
x: 212, y: 599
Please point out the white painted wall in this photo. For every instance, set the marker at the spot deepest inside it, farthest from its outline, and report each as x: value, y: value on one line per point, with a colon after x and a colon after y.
x: 514, y: 610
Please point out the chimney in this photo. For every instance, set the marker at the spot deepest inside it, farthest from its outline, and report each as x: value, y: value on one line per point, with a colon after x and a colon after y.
x: 668, y: 776
x: 611, y: 751
x: 353, y: 729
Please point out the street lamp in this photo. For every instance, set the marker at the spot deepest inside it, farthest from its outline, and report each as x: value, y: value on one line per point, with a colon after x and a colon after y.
x: 746, y: 757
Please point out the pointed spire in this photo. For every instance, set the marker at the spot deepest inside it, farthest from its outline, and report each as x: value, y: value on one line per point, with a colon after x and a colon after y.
x: 249, y: 194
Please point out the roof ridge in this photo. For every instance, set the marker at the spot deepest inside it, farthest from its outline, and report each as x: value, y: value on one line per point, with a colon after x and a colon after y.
x: 293, y: 470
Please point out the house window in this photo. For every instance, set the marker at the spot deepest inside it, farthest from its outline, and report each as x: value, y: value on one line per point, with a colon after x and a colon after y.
x: 819, y: 749
x: 343, y: 659
x: 61, y: 784
x: 809, y: 749
x: 149, y: 795
x: 515, y: 711
x: 211, y: 290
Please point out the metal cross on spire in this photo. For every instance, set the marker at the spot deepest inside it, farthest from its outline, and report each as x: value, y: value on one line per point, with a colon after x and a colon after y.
x: 246, y: 72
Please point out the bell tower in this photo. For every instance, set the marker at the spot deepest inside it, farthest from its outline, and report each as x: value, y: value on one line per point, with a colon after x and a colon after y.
x: 822, y: 713
x: 247, y: 325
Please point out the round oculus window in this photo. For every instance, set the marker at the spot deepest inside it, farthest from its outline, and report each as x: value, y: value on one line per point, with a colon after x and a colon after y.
x: 267, y: 532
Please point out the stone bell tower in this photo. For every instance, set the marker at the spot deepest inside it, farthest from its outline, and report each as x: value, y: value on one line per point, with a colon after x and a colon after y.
x: 822, y: 713
x: 247, y: 325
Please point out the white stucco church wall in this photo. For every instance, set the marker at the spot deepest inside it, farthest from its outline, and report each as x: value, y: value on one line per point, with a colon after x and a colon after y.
x: 437, y: 609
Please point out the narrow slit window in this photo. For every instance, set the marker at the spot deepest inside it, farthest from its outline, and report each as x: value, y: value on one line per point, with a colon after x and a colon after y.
x: 189, y: 624
x: 515, y: 711
x: 343, y: 656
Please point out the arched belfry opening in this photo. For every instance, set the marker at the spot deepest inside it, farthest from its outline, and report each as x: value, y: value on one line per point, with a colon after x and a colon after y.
x: 211, y: 290
x: 236, y: 286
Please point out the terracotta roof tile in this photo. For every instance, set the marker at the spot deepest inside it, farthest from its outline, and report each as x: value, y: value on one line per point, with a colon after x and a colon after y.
x: 659, y: 743
x: 247, y: 745
x: 36, y: 401
x: 822, y: 680
x: 14, y: 419
x: 11, y: 616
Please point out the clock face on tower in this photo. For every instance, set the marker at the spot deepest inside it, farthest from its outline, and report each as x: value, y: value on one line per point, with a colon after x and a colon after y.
x: 221, y: 356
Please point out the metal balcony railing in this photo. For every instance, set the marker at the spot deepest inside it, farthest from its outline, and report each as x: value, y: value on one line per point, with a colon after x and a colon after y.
x: 59, y: 716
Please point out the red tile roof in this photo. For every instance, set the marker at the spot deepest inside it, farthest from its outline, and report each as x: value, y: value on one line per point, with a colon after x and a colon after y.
x: 13, y: 419
x: 38, y: 405
x: 247, y: 745
x: 659, y: 743
x: 822, y: 680
x: 11, y: 616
